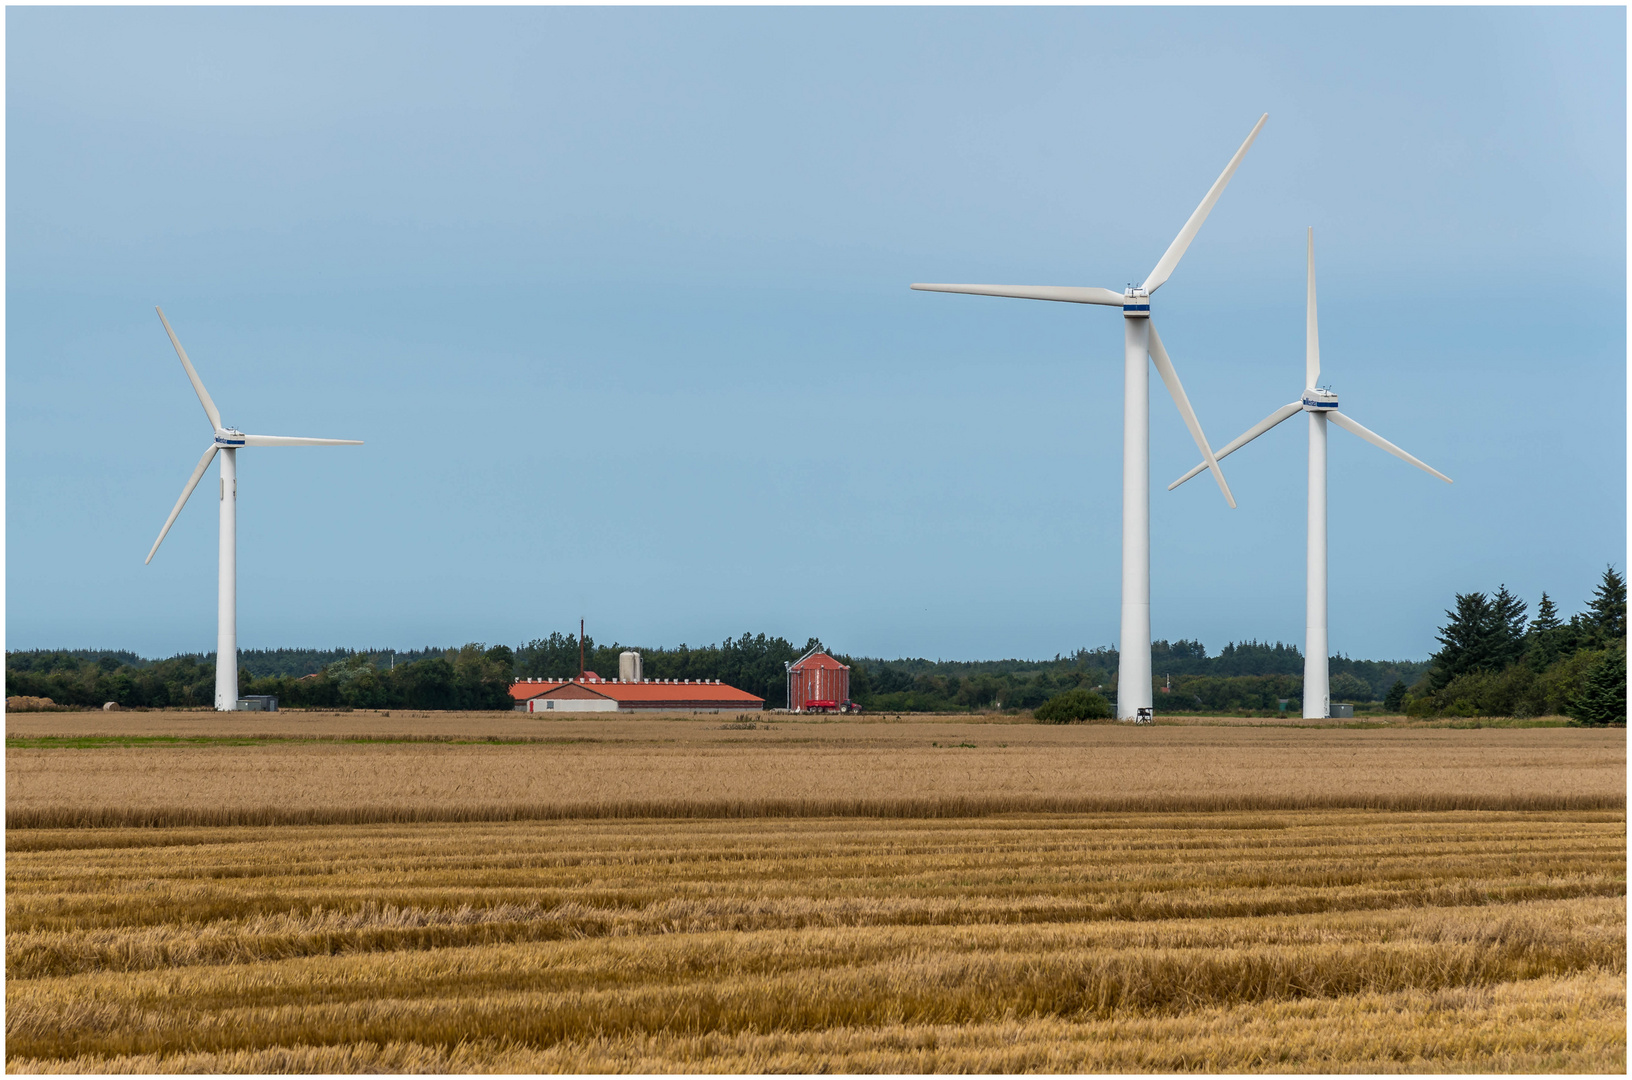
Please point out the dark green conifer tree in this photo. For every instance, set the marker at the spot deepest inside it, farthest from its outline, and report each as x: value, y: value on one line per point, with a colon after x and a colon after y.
x: 1546, y: 616
x: 1507, y: 629
x: 1545, y: 640
x: 1395, y: 700
x: 1607, y: 609
x: 1468, y: 639
x: 1602, y: 700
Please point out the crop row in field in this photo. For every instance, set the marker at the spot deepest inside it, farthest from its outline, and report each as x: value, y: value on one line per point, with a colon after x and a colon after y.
x: 1559, y: 1025
x: 71, y: 817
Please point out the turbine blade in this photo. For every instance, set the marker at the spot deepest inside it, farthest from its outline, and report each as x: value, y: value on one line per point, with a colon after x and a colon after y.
x: 1070, y: 294
x: 1175, y: 250
x: 1377, y: 440
x: 1311, y: 325
x: 1285, y: 412
x: 1164, y: 364
x: 186, y: 493
x: 296, y: 440
x: 192, y: 376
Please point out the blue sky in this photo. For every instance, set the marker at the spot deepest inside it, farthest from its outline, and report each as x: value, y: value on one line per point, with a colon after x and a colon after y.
x: 618, y: 300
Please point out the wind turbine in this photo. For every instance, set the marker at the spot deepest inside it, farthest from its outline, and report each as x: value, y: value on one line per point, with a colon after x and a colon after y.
x: 1321, y: 405
x: 1139, y: 340
x: 226, y: 443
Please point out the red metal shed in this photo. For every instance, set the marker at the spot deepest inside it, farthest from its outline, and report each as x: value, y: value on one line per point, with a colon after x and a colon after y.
x: 817, y: 677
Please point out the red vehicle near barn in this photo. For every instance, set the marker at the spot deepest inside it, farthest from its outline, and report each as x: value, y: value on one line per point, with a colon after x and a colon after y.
x: 816, y: 705
x: 817, y: 683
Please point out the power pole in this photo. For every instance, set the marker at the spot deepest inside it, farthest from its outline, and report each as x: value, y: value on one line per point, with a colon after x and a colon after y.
x: 580, y: 650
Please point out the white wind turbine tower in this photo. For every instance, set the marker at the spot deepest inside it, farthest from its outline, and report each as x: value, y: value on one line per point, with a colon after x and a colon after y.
x: 1321, y: 405
x: 1140, y: 340
x: 226, y: 442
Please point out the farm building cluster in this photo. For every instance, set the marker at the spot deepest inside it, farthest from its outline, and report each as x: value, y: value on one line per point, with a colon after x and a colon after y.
x: 816, y: 683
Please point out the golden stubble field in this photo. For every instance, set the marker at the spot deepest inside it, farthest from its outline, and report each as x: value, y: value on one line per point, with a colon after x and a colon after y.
x: 356, y: 768
x: 832, y: 896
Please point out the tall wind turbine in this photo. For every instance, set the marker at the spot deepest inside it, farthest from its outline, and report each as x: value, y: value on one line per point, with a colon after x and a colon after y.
x: 226, y: 443
x: 1140, y: 339
x: 1321, y: 405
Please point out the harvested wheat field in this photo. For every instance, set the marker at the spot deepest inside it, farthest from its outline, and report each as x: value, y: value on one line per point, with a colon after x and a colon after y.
x: 199, y: 769
x: 688, y: 895
x: 1353, y: 940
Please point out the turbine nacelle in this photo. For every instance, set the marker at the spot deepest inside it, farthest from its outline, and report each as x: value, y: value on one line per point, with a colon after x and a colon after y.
x: 1316, y: 399
x: 1136, y: 304
x: 229, y: 437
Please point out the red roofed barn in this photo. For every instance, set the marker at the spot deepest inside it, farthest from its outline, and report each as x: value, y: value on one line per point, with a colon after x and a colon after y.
x: 591, y: 694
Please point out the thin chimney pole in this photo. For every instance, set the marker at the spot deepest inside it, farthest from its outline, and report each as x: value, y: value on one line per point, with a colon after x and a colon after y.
x: 580, y: 650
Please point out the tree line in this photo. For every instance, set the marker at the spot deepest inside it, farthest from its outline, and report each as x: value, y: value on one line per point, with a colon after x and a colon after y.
x: 1248, y: 675
x: 259, y: 663
x: 477, y: 677
x: 1243, y: 676
x: 1494, y: 660
x: 472, y: 677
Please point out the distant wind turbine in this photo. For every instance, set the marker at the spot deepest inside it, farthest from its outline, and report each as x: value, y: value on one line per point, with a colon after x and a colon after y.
x: 226, y: 442
x: 1133, y: 689
x: 1321, y: 405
